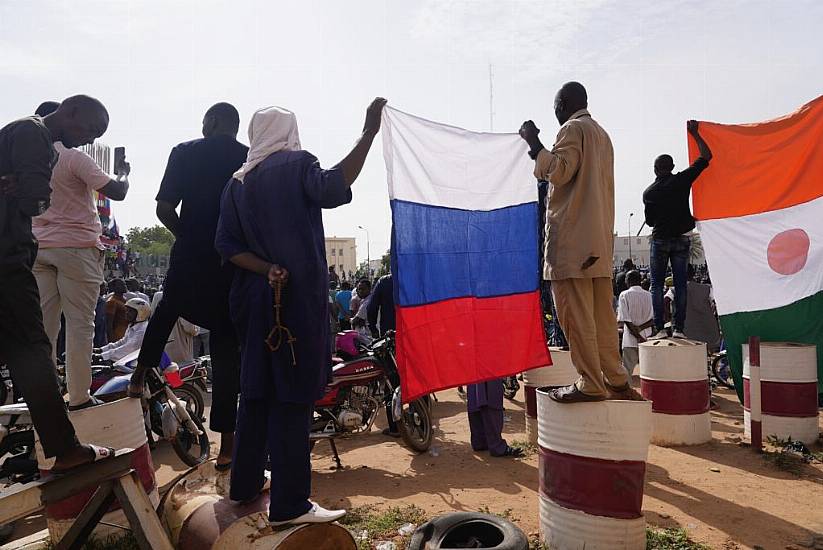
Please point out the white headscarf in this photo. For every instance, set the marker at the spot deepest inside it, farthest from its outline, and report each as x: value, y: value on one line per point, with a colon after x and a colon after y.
x: 271, y: 129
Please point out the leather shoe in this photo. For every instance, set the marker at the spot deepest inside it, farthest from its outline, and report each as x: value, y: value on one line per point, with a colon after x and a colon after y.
x: 571, y: 394
x: 625, y: 393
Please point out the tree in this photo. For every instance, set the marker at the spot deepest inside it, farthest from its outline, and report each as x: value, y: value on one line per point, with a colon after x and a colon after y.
x: 696, y: 252
x: 155, y: 240
x: 385, y: 264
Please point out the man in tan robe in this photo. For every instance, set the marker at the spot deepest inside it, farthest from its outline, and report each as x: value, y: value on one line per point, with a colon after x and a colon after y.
x: 579, y: 244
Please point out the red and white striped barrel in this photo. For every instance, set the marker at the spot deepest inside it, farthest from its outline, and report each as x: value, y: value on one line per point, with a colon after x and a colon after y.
x: 560, y: 373
x: 592, y: 469
x: 674, y: 378
x: 197, y: 517
x: 788, y: 391
x: 118, y: 424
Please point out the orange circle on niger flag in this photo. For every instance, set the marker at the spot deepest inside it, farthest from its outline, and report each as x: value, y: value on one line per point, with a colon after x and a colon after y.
x: 788, y: 251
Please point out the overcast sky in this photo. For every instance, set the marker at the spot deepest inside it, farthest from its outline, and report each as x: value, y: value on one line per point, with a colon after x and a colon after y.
x: 648, y: 67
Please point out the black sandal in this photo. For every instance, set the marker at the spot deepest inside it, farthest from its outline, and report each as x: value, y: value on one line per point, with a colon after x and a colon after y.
x: 92, y: 402
x: 511, y: 452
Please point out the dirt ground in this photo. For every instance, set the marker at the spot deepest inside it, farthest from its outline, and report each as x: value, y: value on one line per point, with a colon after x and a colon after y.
x: 749, y: 502
x: 723, y: 494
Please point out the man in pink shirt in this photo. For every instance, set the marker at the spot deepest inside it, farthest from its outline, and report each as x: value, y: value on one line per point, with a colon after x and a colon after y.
x: 69, y: 264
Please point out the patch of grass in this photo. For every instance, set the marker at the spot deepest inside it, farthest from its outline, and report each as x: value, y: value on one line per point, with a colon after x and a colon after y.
x: 789, y: 455
x: 528, y: 449
x: 125, y: 541
x: 671, y: 539
x: 382, y: 524
x: 507, y: 514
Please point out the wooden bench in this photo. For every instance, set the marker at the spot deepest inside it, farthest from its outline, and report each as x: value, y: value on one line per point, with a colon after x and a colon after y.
x: 116, y: 480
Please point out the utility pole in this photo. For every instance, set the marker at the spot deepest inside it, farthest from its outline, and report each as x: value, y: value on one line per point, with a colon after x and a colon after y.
x: 630, y: 235
x: 368, y: 251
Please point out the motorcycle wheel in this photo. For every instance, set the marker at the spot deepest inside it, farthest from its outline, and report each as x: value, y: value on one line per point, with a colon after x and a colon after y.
x: 192, y: 449
x: 722, y: 371
x: 510, y: 388
x: 193, y: 398
x: 415, y: 426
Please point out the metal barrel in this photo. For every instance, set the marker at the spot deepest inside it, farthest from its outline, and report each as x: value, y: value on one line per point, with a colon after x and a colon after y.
x: 592, y: 467
x: 674, y: 378
x: 120, y: 425
x: 788, y: 390
x: 198, y: 515
x: 560, y: 373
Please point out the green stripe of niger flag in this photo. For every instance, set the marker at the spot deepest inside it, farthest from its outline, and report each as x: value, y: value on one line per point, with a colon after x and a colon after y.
x: 801, y: 321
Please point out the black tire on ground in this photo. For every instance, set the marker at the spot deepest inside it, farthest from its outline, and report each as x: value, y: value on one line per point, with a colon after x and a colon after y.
x: 468, y: 530
x: 186, y: 442
x: 415, y: 426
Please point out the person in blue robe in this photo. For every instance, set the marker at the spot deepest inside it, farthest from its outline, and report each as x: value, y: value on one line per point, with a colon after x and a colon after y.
x: 271, y: 228
x: 485, y: 405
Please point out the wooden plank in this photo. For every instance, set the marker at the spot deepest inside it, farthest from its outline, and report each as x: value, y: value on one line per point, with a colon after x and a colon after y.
x: 21, y: 500
x: 92, y: 513
x: 144, y: 522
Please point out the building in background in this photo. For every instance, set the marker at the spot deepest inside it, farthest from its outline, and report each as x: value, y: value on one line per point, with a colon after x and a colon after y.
x: 641, y: 250
x: 341, y: 252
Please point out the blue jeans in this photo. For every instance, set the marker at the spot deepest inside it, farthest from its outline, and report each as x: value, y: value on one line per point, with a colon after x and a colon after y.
x: 676, y: 250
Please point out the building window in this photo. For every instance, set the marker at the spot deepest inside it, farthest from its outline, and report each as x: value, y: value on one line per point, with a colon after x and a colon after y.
x: 341, y: 251
x: 333, y: 250
x: 625, y: 241
x: 638, y: 241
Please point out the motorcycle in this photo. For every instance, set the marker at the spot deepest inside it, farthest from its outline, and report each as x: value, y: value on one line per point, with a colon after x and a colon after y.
x: 721, y: 370
x: 510, y: 387
x: 109, y: 382
x: 364, y: 379
x: 192, y: 374
x: 173, y: 407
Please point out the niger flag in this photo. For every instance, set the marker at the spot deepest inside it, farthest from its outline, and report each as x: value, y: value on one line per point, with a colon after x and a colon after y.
x: 759, y: 207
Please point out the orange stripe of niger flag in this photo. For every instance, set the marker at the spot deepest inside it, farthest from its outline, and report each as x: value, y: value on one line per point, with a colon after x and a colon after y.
x: 760, y: 167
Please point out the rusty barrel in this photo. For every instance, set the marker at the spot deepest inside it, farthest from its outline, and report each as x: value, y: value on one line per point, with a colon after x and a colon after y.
x: 788, y: 391
x: 592, y: 469
x: 120, y: 425
x: 674, y: 378
x: 198, y: 516
x: 560, y: 373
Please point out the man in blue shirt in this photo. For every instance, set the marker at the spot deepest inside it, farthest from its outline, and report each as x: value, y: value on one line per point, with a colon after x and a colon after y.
x: 343, y: 300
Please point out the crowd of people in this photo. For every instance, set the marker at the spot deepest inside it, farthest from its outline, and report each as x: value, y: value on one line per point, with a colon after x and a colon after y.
x: 249, y: 262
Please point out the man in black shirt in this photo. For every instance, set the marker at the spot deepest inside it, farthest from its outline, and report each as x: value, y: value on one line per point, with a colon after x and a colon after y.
x: 667, y: 211
x: 620, y: 279
x: 27, y: 157
x: 197, y: 284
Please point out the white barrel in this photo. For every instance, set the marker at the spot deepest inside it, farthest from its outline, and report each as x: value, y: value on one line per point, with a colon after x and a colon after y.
x: 120, y: 425
x: 560, y: 373
x: 592, y: 471
x: 673, y: 376
x: 788, y: 391
x: 198, y: 516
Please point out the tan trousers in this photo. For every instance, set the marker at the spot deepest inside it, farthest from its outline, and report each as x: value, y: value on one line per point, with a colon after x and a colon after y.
x: 69, y: 283
x: 584, y: 307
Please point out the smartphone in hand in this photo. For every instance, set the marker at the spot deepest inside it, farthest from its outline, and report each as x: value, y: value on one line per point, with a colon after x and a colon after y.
x: 119, y: 161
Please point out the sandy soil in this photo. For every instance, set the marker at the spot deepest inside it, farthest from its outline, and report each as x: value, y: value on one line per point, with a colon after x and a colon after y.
x: 749, y: 502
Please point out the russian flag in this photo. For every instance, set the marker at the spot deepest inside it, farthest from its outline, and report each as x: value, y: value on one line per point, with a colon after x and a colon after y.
x: 464, y: 254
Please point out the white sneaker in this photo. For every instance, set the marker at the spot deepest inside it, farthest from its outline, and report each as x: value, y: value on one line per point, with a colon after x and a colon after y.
x: 678, y: 334
x: 317, y: 514
x: 661, y: 334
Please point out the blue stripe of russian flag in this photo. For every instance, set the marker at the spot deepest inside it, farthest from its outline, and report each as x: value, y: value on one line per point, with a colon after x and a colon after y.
x: 444, y: 253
